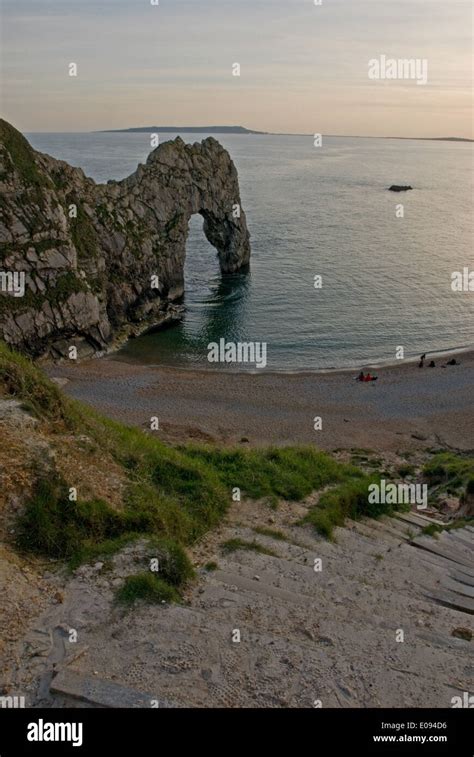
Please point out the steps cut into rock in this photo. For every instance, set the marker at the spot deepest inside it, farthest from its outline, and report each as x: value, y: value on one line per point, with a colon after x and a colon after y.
x: 102, y: 693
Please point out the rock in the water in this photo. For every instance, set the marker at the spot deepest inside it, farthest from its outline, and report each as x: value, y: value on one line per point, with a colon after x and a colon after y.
x: 399, y: 188
x: 103, y: 261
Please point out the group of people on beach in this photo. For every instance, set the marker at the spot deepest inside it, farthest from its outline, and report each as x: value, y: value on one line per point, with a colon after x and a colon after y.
x: 432, y: 363
x: 369, y: 377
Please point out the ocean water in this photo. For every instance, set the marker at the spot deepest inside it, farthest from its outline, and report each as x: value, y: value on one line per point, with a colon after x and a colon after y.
x: 386, y: 281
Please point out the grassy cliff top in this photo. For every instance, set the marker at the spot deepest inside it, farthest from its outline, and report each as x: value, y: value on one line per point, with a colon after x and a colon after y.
x: 169, y: 492
x: 21, y: 154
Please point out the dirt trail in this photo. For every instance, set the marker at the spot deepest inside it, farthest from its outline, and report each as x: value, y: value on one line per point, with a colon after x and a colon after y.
x: 305, y: 635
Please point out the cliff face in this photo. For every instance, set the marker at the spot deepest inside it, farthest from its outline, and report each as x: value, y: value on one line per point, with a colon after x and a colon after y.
x: 104, y: 261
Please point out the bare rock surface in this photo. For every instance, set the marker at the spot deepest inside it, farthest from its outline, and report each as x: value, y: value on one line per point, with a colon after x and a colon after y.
x: 103, y: 261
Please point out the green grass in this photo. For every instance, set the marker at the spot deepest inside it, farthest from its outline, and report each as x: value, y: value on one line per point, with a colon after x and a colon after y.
x: 180, y: 496
x: 433, y: 529
x: 22, y: 155
x: 174, y: 494
x: 89, y: 551
x: 83, y: 232
x: 52, y: 525
x: 148, y: 587
x: 211, y: 566
x: 161, y: 585
x: 450, y: 473
x: 233, y: 545
x: 290, y: 473
x: 174, y: 566
x: 271, y: 532
x: 348, y: 500
x: 21, y: 380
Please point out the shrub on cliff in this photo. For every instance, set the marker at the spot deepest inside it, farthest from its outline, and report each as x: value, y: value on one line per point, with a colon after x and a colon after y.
x: 348, y: 500
x: 21, y: 379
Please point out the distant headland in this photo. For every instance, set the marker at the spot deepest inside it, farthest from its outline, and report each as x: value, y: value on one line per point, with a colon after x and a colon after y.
x: 187, y: 129
x: 244, y: 130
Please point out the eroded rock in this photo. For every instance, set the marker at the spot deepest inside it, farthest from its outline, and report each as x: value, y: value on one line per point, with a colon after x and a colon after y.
x: 103, y: 261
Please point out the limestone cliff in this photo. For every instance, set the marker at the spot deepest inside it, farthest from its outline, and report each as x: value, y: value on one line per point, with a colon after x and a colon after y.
x: 102, y: 261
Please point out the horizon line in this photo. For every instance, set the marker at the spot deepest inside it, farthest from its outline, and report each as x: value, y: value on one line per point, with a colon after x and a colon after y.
x: 245, y: 132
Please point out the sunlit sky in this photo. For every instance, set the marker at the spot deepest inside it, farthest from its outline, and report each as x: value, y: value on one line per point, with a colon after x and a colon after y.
x: 304, y: 68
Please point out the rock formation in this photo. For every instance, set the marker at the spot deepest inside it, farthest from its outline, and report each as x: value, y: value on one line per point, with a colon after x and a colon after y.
x: 399, y: 188
x: 102, y: 261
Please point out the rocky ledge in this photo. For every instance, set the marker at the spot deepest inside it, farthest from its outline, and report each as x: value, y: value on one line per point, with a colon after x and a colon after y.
x: 399, y: 188
x: 85, y: 265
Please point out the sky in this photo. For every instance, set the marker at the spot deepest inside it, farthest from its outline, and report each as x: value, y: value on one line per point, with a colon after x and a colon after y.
x: 303, y: 67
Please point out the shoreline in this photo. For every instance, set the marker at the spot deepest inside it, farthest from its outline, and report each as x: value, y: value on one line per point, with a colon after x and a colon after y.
x: 407, y: 408
x: 376, y: 365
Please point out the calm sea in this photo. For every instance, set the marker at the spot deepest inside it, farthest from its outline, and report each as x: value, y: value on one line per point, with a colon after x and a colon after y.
x: 386, y: 281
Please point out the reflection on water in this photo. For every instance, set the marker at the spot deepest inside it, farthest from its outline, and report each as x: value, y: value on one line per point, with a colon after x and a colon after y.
x: 215, y: 308
x: 223, y: 313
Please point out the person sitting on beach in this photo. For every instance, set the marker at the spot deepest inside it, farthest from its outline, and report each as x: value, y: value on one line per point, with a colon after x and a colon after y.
x: 368, y: 377
x: 432, y: 364
x: 453, y: 361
